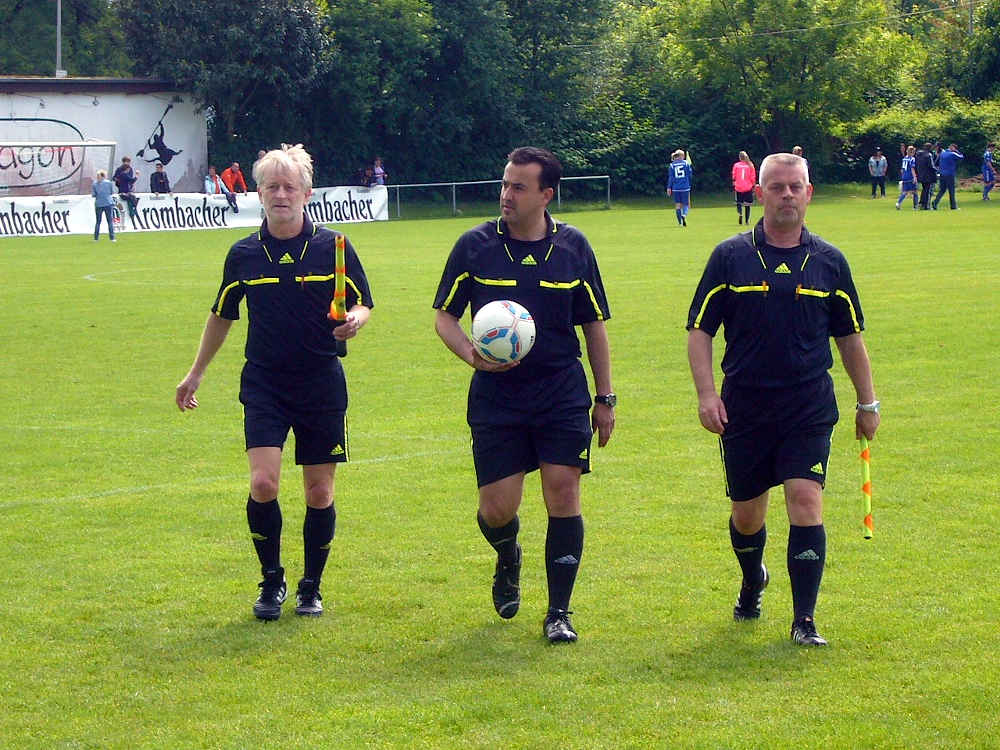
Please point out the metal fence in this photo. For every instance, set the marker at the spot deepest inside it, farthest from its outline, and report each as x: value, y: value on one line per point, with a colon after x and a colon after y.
x: 455, y: 185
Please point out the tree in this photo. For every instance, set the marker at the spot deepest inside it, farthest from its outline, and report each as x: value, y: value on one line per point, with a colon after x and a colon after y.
x: 246, y: 61
x: 28, y: 38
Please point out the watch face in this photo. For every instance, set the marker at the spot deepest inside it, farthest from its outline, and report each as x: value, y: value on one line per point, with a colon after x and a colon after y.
x: 609, y: 400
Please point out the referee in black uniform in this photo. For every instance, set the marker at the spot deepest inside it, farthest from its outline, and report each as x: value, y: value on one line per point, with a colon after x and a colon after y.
x: 536, y: 413
x: 292, y: 377
x: 781, y: 293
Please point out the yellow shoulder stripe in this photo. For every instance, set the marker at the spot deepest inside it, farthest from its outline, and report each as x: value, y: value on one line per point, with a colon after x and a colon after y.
x: 560, y: 284
x: 495, y: 282
x: 357, y: 292
x: 223, y: 293
x: 593, y: 301
x: 454, y: 288
x: 850, y: 306
x: 265, y: 280
x: 704, y: 304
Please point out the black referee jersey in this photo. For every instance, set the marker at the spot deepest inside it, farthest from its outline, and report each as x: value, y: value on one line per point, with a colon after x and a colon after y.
x: 779, y: 307
x: 288, y: 285
x: 556, y: 279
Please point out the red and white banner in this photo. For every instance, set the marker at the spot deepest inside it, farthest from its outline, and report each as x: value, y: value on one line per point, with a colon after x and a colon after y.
x: 74, y: 214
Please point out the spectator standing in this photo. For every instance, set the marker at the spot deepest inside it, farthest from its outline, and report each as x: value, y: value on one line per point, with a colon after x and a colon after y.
x: 158, y: 181
x: 125, y: 178
x: 234, y: 179
x: 214, y: 185
x: 744, y: 179
x: 381, y: 176
x: 989, y: 174
x: 926, y: 174
x: 948, y: 168
x: 103, y: 191
x: 878, y: 166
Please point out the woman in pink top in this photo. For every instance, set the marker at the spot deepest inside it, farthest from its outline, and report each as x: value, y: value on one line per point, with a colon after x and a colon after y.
x: 744, y: 179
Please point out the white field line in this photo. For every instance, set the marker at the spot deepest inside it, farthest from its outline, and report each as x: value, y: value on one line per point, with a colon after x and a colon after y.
x: 227, y: 478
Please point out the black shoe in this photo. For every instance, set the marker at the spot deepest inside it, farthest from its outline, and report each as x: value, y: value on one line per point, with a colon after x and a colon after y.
x: 308, y: 602
x: 684, y: 221
x: 272, y: 595
x: 748, y: 604
x: 804, y: 633
x: 557, y: 627
x: 740, y: 220
x: 506, y: 585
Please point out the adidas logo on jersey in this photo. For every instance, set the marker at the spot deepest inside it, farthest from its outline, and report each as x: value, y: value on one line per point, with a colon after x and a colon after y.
x: 817, y: 469
x: 782, y: 269
x: 529, y: 260
x: 286, y: 258
x: 338, y: 450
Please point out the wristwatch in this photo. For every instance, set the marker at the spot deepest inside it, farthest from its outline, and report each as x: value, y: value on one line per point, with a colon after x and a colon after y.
x: 872, y: 408
x: 608, y: 400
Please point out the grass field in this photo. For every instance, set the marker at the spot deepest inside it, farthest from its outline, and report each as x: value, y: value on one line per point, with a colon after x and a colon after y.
x: 125, y: 615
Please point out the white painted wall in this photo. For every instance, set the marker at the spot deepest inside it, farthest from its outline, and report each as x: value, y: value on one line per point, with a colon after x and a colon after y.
x: 129, y: 119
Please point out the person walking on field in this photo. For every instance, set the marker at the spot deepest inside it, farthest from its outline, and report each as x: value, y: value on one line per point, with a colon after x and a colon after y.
x: 292, y: 377
x: 103, y: 191
x: 679, y: 185
x: 926, y: 174
x: 781, y: 293
x: 989, y: 173
x: 744, y: 179
x: 536, y: 413
x: 948, y: 168
x: 908, y: 178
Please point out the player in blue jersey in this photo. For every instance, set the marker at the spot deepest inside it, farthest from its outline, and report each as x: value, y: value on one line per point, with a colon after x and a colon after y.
x: 989, y: 174
x: 908, y: 177
x: 780, y: 292
x: 292, y: 377
x: 679, y: 185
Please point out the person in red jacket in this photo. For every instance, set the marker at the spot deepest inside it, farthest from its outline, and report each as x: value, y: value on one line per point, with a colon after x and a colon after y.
x: 744, y: 179
x: 233, y: 178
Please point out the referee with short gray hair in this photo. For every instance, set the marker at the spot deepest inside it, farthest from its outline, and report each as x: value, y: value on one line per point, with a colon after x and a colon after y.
x: 781, y: 293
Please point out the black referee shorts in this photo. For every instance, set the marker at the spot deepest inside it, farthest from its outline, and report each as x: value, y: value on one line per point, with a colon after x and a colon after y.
x: 744, y: 199
x: 313, y: 406
x: 776, y: 434
x: 517, y: 427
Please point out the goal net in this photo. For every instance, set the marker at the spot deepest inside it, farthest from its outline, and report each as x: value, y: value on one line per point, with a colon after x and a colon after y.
x: 53, y: 167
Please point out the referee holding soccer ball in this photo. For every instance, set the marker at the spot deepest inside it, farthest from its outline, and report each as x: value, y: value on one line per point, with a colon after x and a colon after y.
x: 781, y: 293
x: 536, y: 413
x: 292, y: 378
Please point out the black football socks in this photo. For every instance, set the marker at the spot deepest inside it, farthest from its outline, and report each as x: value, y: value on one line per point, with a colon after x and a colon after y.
x: 749, y: 550
x: 806, y: 557
x: 502, y: 538
x: 265, y: 530
x: 318, y: 531
x: 563, y: 549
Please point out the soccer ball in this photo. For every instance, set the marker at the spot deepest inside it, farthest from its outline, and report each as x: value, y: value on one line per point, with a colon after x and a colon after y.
x: 503, y: 331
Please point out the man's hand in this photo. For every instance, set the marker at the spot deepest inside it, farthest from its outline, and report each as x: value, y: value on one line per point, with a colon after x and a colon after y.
x: 866, y: 423
x: 712, y: 413
x: 602, y: 421
x: 184, y: 396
